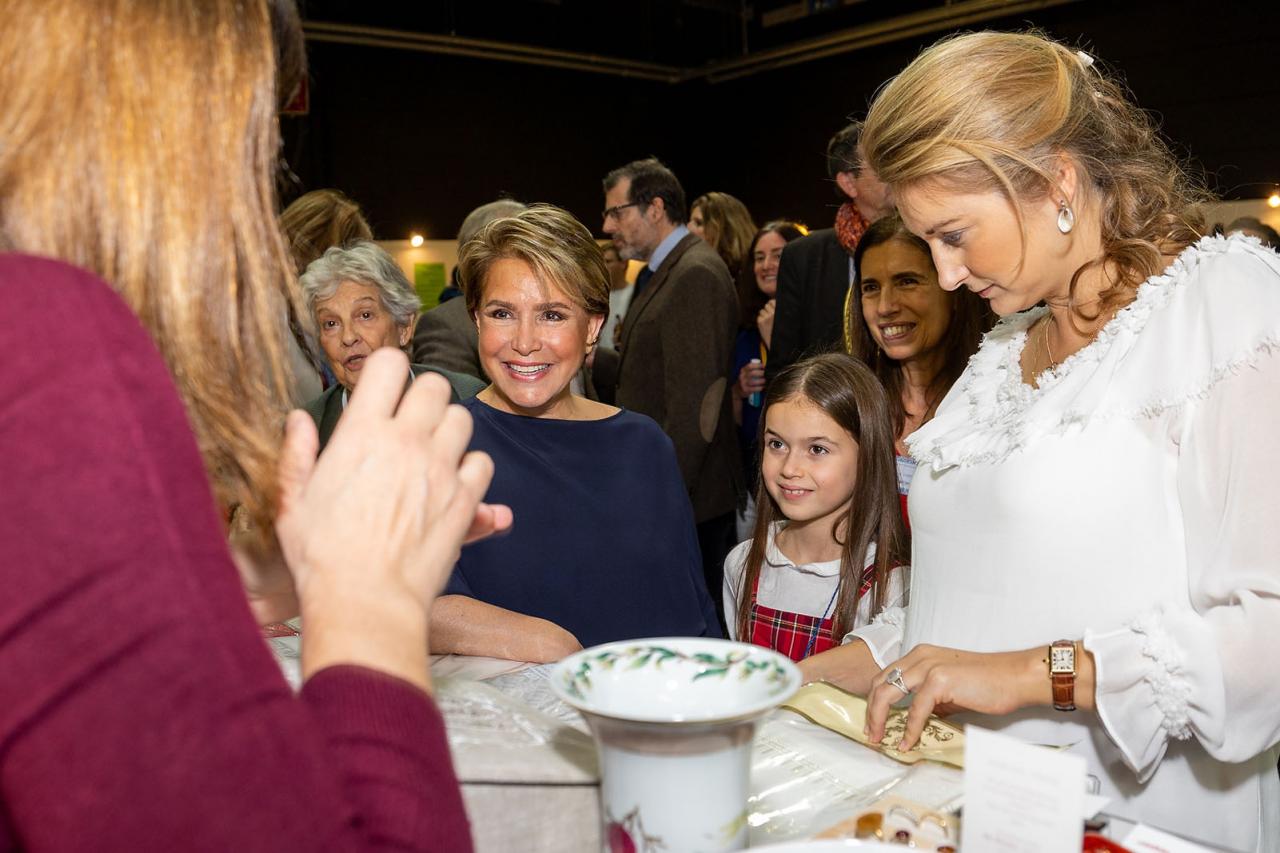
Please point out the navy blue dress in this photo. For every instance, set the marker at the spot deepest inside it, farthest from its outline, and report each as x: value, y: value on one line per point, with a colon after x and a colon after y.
x: 604, y: 542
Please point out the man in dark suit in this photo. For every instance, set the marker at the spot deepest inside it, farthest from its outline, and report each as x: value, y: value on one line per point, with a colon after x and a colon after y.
x: 676, y: 345
x: 816, y: 271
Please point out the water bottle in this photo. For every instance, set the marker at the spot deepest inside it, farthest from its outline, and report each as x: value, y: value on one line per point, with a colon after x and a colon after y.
x: 756, y: 397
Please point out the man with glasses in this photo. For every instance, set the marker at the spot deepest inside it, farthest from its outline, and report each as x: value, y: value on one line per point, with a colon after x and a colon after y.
x: 676, y: 345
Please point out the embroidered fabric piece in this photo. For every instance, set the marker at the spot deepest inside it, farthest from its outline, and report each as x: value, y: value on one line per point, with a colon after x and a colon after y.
x: 1165, y: 676
x: 992, y: 413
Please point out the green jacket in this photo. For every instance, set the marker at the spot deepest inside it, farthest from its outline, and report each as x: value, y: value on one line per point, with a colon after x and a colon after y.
x: 327, y: 408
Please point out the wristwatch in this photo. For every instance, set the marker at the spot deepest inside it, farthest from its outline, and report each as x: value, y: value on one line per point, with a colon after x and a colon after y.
x: 1062, y: 674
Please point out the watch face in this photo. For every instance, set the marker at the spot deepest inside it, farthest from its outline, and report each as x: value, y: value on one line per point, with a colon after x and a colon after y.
x: 1062, y: 659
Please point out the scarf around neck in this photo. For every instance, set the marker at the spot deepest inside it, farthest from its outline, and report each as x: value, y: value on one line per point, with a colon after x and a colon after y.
x: 850, y: 226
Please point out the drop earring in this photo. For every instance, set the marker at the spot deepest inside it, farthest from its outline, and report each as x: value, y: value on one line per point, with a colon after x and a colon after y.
x: 1066, y: 218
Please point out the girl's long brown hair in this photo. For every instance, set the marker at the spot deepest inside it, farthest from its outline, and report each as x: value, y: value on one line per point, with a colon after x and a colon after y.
x: 971, y: 318
x: 848, y: 393
x: 139, y: 141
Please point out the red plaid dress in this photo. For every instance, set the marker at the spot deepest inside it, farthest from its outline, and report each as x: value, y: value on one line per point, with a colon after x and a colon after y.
x: 791, y: 633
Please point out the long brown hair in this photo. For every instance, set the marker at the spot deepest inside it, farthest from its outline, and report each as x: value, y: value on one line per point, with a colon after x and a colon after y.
x: 318, y: 221
x: 971, y: 318
x: 139, y: 141
x: 727, y: 227
x: 995, y: 111
x: 847, y: 392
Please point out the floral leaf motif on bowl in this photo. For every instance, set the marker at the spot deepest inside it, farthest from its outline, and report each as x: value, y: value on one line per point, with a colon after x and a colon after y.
x: 578, y: 680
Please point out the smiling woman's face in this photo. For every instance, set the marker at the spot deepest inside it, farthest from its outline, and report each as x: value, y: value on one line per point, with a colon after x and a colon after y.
x: 765, y: 259
x: 905, y: 310
x: 353, y: 323
x: 533, y: 339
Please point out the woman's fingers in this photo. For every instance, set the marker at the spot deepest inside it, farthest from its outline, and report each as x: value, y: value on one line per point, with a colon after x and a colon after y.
x: 489, y: 519
x: 456, y: 519
x: 879, y: 700
x: 297, y: 458
x: 424, y: 406
x: 382, y: 381
x: 919, y: 676
x: 751, y: 378
x: 444, y: 447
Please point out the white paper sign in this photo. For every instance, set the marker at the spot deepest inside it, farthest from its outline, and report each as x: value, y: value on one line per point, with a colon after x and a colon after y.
x: 1145, y: 838
x: 1020, y: 798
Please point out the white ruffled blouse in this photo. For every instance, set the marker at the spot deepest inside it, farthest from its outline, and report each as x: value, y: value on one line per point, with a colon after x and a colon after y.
x: 1133, y: 501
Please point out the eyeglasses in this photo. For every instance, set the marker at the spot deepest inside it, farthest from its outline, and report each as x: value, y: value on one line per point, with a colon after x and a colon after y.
x: 615, y: 212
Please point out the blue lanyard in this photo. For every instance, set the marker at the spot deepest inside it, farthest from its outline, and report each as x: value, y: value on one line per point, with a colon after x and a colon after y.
x: 817, y: 627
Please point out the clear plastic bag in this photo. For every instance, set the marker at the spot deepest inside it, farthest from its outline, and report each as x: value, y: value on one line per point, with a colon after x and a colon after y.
x: 805, y: 778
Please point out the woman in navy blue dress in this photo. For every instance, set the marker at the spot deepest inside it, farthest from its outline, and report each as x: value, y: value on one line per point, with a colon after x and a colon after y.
x: 605, y: 546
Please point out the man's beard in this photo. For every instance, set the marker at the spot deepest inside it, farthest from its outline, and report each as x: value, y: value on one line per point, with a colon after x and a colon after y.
x: 631, y: 253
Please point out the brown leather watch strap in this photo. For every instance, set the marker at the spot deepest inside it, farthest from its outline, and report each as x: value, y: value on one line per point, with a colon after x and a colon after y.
x: 1064, y: 691
x: 1063, y: 666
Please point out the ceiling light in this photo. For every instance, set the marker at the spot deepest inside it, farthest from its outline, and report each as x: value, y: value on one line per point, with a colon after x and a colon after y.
x: 415, y: 240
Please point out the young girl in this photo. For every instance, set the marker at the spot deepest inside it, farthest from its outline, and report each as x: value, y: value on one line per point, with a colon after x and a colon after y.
x: 829, y: 545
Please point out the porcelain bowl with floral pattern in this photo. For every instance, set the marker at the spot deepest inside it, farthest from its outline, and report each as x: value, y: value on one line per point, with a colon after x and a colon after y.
x: 676, y: 680
x: 674, y: 719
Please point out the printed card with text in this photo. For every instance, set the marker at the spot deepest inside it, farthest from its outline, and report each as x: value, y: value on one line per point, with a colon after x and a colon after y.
x: 1020, y: 798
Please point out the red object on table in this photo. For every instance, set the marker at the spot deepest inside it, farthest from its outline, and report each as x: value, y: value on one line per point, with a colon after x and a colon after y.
x: 1097, y: 844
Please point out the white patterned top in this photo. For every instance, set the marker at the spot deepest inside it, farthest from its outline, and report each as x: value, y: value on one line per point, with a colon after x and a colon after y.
x: 1133, y: 501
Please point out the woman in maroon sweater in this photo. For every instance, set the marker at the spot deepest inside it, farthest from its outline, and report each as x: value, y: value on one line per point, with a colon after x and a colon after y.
x: 139, y: 708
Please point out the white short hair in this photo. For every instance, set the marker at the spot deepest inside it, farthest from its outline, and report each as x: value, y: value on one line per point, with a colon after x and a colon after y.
x: 363, y: 262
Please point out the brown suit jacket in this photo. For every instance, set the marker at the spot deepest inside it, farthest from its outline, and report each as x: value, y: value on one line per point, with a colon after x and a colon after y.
x: 676, y: 355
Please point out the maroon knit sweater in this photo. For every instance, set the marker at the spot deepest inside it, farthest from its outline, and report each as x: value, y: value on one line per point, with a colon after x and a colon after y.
x: 139, y: 707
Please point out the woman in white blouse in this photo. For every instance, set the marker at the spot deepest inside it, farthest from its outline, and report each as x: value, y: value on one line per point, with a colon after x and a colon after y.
x: 1099, y: 489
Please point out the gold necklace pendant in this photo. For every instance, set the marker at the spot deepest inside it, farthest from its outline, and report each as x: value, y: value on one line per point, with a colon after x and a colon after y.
x: 1053, y: 362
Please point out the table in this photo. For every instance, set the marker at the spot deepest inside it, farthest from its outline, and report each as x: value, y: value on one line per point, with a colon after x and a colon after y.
x: 527, y: 763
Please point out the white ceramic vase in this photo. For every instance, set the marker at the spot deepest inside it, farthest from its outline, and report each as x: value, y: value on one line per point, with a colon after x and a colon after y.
x: 673, y: 720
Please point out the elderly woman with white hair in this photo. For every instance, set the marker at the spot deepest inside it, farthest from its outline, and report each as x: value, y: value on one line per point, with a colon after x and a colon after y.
x: 362, y: 301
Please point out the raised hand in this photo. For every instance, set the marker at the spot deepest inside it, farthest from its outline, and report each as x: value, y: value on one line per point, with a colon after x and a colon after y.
x: 764, y: 322
x: 371, y: 530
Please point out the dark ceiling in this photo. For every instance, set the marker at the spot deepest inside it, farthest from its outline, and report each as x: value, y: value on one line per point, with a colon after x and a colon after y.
x: 678, y: 33
x: 422, y: 111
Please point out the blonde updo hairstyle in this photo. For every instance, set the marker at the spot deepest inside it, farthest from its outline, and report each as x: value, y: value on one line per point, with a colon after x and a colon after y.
x: 994, y: 111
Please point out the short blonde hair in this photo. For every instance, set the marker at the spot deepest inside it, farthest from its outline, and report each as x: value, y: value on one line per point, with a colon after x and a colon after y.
x: 995, y: 111
x: 558, y: 247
